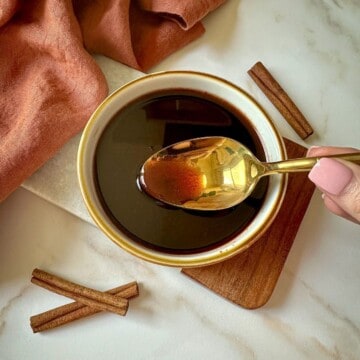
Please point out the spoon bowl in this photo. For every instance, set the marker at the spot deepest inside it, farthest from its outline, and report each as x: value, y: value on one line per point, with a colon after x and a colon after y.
x: 212, y: 173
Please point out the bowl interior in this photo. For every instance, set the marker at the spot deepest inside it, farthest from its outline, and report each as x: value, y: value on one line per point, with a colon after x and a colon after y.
x: 269, y: 147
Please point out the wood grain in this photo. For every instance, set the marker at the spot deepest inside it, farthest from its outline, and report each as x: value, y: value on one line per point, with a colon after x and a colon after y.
x: 249, y: 279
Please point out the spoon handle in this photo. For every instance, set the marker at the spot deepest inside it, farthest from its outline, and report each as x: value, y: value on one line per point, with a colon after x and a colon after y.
x: 306, y: 164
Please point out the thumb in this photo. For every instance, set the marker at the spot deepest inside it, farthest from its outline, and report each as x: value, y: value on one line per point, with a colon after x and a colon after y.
x: 340, y: 182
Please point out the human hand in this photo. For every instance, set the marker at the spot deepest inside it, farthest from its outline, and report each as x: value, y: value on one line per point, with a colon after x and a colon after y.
x: 339, y: 181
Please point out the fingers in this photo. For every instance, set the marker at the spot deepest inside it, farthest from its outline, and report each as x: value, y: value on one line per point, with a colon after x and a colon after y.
x: 337, y: 210
x: 339, y: 181
x: 329, y: 150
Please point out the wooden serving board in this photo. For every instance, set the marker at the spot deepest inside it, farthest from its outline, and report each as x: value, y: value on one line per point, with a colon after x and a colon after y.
x: 249, y: 278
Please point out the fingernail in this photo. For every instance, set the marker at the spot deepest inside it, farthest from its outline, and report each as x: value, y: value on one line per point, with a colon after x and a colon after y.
x: 330, y: 175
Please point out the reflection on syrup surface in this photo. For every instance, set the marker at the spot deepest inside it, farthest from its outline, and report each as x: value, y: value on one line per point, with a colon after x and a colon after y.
x: 173, y: 180
x: 145, y: 127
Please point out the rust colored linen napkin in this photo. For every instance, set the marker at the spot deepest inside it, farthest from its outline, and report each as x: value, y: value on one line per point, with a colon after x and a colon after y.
x: 50, y: 84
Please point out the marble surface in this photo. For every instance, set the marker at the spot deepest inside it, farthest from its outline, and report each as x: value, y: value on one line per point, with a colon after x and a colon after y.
x: 313, y: 49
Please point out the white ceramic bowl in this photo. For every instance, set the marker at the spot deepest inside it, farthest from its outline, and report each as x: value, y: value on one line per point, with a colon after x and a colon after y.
x: 270, y: 139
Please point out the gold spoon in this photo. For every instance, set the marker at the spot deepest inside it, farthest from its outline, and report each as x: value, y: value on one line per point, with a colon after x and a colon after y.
x: 212, y: 173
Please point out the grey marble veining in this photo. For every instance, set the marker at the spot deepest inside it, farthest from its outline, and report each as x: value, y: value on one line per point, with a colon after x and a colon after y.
x: 312, y: 48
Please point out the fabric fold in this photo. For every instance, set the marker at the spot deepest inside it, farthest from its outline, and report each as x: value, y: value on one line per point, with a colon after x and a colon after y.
x: 49, y: 86
x: 49, y: 82
x: 185, y: 13
x: 125, y: 32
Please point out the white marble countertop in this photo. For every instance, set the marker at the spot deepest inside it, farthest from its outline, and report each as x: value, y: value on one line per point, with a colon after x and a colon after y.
x: 313, y: 49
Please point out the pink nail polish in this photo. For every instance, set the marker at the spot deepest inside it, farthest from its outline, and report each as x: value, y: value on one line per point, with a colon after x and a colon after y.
x: 331, y: 175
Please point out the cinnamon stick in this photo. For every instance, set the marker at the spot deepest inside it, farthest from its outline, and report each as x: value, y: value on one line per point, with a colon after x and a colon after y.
x: 281, y: 100
x: 82, y: 294
x: 75, y: 310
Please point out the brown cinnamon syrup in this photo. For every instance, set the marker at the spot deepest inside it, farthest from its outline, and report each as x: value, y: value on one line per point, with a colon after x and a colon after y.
x: 146, y: 126
x: 174, y: 181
